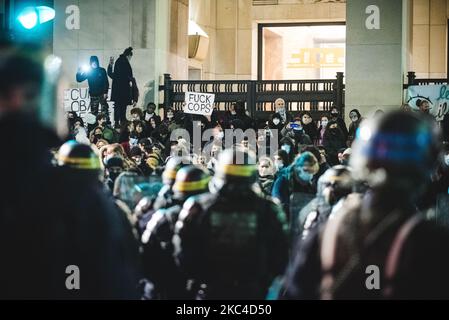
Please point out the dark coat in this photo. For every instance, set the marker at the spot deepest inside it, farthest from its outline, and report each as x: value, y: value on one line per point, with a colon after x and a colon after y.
x: 234, y: 241
x: 333, y: 141
x: 286, y: 184
x: 421, y: 271
x: 353, y: 131
x: 97, y: 80
x: 52, y: 218
x: 312, y: 131
x: 122, y: 75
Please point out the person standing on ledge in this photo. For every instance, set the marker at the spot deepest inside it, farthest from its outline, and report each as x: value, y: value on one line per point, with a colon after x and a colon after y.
x: 98, y: 85
x: 122, y: 75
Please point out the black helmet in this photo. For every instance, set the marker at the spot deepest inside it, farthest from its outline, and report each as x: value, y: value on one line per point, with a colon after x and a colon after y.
x: 237, y: 166
x: 172, y: 167
x: 190, y: 180
x: 400, y: 148
x: 113, y: 162
x: 335, y: 183
x: 78, y: 156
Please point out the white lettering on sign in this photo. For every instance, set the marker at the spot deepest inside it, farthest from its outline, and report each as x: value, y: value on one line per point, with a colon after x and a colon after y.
x: 199, y: 103
x: 373, y: 20
x: 72, y: 22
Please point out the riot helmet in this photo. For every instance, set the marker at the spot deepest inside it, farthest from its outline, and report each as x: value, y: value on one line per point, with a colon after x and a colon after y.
x: 78, y: 156
x: 397, y: 150
x: 236, y: 166
x: 190, y: 180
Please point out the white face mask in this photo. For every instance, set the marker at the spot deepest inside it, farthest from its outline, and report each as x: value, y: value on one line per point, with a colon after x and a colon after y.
x: 446, y: 160
x: 324, y: 123
x: 276, y: 121
x: 133, y: 141
x: 220, y: 135
x: 287, y: 148
x: 278, y: 164
x: 354, y: 117
x: 281, y: 111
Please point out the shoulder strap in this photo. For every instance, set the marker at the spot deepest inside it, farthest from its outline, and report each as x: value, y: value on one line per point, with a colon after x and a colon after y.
x: 330, y: 234
x: 394, y: 254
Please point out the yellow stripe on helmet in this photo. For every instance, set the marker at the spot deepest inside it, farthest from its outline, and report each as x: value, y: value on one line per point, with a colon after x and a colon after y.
x: 191, y: 186
x: 81, y: 163
x: 239, y: 170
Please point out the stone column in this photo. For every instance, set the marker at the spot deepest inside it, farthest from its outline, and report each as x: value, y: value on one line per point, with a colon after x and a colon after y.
x: 376, y: 55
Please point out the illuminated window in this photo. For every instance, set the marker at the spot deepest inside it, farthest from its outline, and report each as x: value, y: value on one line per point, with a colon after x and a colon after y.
x: 288, y: 52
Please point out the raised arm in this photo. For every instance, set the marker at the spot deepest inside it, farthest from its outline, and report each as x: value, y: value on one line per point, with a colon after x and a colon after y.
x: 80, y: 75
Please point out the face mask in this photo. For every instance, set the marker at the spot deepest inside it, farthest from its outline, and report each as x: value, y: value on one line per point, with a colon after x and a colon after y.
x: 220, y: 135
x: 354, y: 118
x: 138, y: 161
x: 298, y: 128
x: 113, y: 175
x: 133, y: 141
x: 279, y: 165
x: 98, y: 136
x: 286, y: 148
x: 169, y: 116
x: 276, y: 121
x: 324, y: 124
x: 305, y: 176
x: 446, y: 160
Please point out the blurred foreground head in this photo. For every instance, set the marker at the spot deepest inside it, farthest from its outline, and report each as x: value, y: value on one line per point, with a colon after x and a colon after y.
x: 397, y: 151
x: 29, y: 84
x: 22, y: 76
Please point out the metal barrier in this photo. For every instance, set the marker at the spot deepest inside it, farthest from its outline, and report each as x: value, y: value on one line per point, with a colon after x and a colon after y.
x: 316, y: 96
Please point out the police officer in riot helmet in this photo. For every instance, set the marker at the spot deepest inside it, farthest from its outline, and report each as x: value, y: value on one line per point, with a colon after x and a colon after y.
x: 76, y: 156
x: 231, y: 243
x: 164, y: 198
x: 157, y: 255
x: 335, y: 184
x: 378, y: 246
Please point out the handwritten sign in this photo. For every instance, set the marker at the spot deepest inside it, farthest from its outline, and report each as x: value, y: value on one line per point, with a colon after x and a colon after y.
x: 199, y: 103
x: 78, y: 100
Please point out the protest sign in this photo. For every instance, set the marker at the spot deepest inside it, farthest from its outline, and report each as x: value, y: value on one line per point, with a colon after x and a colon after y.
x: 199, y: 103
x: 436, y: 95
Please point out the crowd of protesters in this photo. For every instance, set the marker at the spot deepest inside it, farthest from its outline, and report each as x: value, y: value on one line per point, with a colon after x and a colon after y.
x: 144, y: 214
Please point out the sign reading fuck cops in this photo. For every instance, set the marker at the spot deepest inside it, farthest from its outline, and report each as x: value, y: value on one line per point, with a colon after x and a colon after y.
x: 199, y: 103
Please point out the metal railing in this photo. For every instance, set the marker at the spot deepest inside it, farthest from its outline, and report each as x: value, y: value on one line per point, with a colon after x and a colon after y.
x: 413, y: 81
x: 316, y: 96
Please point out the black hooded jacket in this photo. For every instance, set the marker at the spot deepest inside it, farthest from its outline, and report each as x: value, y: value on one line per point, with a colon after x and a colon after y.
x: 96, y: 78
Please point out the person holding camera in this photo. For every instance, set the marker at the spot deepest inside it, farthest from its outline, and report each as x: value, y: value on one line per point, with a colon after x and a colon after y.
x: 98, y: 85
